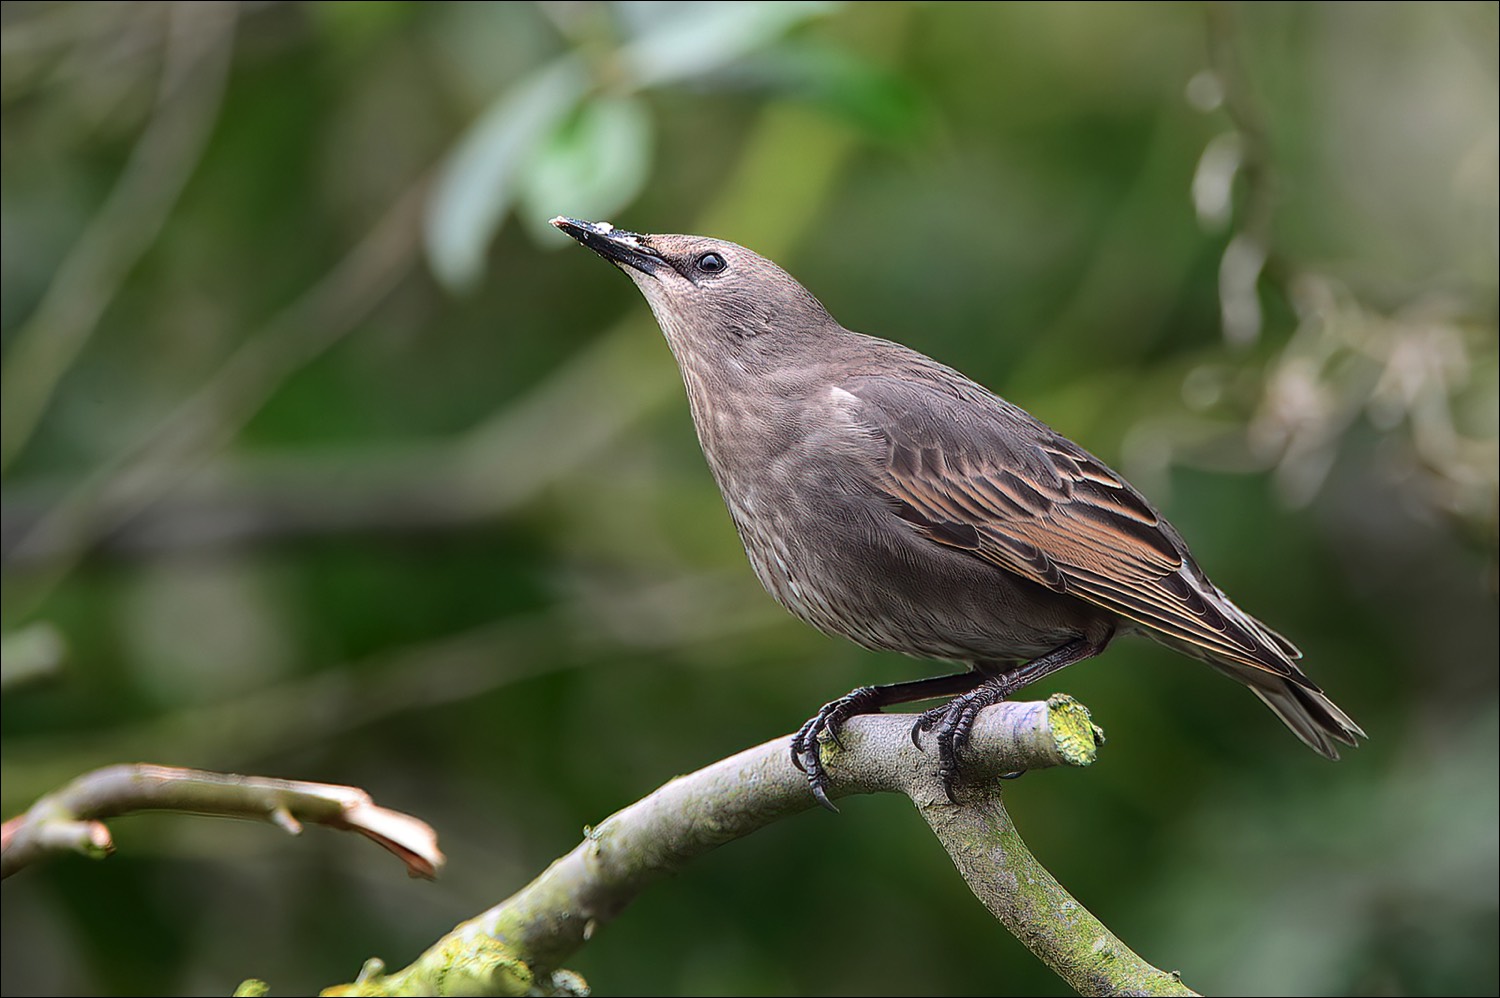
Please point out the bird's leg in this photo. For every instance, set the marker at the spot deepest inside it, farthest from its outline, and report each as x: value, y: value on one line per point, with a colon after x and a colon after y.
x: 865, y: 700
x: 954, y: 720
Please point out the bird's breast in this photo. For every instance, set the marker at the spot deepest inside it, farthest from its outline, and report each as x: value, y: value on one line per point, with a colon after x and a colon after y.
x: 800, y: 482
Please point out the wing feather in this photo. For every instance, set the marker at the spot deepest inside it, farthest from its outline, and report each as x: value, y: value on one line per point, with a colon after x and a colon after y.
x: 971, y: 471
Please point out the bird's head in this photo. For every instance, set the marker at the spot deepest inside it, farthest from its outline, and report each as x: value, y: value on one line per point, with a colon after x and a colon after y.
x: 704, y: 289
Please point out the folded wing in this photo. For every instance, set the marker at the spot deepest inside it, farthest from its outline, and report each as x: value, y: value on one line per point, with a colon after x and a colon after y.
x: 971, y: 471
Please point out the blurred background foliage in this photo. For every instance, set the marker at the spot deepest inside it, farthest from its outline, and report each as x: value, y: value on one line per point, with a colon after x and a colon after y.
x: 322, y: 461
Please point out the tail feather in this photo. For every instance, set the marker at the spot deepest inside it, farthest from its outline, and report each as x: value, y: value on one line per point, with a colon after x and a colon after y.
x: 1312, y: 717
x: 1296, y: 699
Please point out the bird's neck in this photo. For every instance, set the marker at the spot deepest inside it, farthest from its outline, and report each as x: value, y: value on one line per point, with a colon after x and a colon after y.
x: 748, y: 404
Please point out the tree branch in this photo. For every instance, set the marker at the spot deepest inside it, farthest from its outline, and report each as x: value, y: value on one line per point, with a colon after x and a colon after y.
x: 516, y: 947
x: 68, y: 820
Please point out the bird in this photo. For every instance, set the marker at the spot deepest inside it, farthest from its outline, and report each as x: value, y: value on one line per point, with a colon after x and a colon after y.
x: 884, y: 497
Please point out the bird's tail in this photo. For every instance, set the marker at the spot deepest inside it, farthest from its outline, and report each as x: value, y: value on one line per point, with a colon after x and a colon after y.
x: 1274, y: 677
x: 1297, y: 700
x: 1270, y: 670
x: 1312, y: 717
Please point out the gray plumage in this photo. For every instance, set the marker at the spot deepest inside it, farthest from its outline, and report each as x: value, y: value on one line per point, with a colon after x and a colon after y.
x: 887, y: 498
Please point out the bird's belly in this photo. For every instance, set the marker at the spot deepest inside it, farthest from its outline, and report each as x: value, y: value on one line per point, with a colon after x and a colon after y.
x: 864, y: 575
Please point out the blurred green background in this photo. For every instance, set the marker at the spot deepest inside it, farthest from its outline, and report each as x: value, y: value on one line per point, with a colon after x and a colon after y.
x: 324, y: 458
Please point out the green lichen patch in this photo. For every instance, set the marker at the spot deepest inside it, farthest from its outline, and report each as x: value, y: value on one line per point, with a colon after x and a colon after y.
x: 1073, y: 732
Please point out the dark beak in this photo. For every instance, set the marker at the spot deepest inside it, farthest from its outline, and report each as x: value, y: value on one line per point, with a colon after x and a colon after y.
x: 624, y: 249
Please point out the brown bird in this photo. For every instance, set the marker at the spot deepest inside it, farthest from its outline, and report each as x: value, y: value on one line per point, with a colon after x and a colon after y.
x: 885, y: 497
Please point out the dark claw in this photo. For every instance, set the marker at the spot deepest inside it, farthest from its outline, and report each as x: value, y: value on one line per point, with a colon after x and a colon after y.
x: 805, y: 751
x: 800, y: 744
x: 953, y: 724
x: 929, y: 719
x: 826, y: 723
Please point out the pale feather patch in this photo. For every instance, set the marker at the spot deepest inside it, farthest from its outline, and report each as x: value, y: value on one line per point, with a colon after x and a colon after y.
x: 845, y: 400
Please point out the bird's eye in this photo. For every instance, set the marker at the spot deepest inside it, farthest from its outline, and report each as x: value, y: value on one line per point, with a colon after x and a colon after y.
x: 712, y: 263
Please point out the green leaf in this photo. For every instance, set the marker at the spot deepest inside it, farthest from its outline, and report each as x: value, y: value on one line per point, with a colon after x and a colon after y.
x: 480, y: 179
x: 878, y: 102
x: 594, y: 163
x: 692, y: 39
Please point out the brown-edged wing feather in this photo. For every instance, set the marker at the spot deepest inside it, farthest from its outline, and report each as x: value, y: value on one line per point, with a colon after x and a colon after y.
x: 971, y: 471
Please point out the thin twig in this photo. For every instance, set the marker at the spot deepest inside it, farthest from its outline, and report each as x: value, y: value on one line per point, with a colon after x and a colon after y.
x: 210, y: 418
x: 70, y: 819
x: 200, y: 40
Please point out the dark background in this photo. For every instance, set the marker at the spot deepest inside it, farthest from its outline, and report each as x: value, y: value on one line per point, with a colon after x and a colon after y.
x: 326, y: 459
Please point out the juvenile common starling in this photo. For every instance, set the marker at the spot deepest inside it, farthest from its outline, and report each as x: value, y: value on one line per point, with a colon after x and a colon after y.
x: 885, y: 497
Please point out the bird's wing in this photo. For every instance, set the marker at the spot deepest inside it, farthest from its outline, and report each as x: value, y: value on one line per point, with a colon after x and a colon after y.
x: 971, y: 471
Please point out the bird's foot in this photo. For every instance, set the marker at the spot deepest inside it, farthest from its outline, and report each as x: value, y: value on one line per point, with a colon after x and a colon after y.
x: 826, y: 723
x: 953, y: 723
